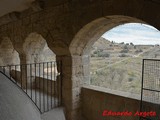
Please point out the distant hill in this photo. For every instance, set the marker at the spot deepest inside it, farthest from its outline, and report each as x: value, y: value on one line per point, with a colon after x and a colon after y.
x: 101, y: 43
x: 118, y: 65
x: 103, y: 46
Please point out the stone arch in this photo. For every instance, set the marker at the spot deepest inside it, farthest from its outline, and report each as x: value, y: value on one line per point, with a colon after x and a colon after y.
x: 80, y: 51
x: 55, y: 42
x: 9, y: 56
x: 36, y: 49
x: 85, y: 38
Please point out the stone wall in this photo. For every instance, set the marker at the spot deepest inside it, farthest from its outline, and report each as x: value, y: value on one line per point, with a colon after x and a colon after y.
x: 8, y: 55
x: 96, y: 99
x: 43, y: 84
x: 23, y: 81
x: 59, y: 21
x: 47, y: 86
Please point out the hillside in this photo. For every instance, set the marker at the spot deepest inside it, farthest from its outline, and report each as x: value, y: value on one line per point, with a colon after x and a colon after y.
x: 118, y: 66
x: 101, y: 43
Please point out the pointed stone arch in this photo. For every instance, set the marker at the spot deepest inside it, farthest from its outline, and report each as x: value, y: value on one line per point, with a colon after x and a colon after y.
x: 9, y: 56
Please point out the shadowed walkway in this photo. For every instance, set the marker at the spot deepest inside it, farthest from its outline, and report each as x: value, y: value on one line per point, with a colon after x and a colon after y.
x: 55, y: 114
x: 14, y: 104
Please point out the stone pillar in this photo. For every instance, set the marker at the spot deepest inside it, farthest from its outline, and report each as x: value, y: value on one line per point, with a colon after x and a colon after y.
x: 75, y: 73
x: 23, y: 70
x: 66, y: 84
x: 80, y: 77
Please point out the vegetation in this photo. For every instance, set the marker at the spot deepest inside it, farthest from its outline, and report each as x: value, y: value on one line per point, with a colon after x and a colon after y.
x: 118, y: 66
x: 123, y: 55
x: 124, y: 51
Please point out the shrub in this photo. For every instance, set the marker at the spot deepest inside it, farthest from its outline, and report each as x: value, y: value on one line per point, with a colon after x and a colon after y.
x: 131, y: 44
x: 101, y: 50
x: 138, y: 51
x: 124, y: 51
x: 95, y: 52
x: 130, y: 79
x: 123, y: 55
x: 122, y: 43
x: 103, y: 54
x: 126, y: 47
x: 93, y: 55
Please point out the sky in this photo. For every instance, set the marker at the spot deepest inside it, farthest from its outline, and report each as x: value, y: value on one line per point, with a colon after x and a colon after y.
x: 136, y: 33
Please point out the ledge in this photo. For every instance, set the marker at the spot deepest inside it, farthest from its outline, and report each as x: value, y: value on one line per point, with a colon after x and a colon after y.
x: 113, y: 92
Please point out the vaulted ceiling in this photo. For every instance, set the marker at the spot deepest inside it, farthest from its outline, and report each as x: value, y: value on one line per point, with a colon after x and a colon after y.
x: 7, y: 6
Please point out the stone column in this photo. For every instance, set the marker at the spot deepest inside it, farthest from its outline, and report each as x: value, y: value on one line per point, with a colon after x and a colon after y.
x: 23, y: 71
x: 66, y: 84
x: 75, y: 73
x: 80, y: 77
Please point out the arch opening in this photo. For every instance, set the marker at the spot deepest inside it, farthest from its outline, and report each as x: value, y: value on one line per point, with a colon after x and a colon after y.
x: 116, y: 57
x: 37, y: 50
x: 87, y: 36
x: 38, y: 74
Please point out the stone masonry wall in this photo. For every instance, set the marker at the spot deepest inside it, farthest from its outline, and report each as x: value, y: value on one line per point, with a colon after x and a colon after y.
x: 95, y: 100
x: 58, y: 22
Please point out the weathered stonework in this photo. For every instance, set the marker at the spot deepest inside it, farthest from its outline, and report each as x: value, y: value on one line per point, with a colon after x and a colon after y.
x: 96, y: 100
x: 8, y: 55
x: 70, y: 28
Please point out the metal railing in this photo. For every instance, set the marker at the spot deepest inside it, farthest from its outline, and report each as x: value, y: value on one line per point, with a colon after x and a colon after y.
x: 42, y: 82
x: 150, y: 92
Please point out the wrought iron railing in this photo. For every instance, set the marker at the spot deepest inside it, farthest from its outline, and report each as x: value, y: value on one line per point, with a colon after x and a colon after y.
x: 42, y: 82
